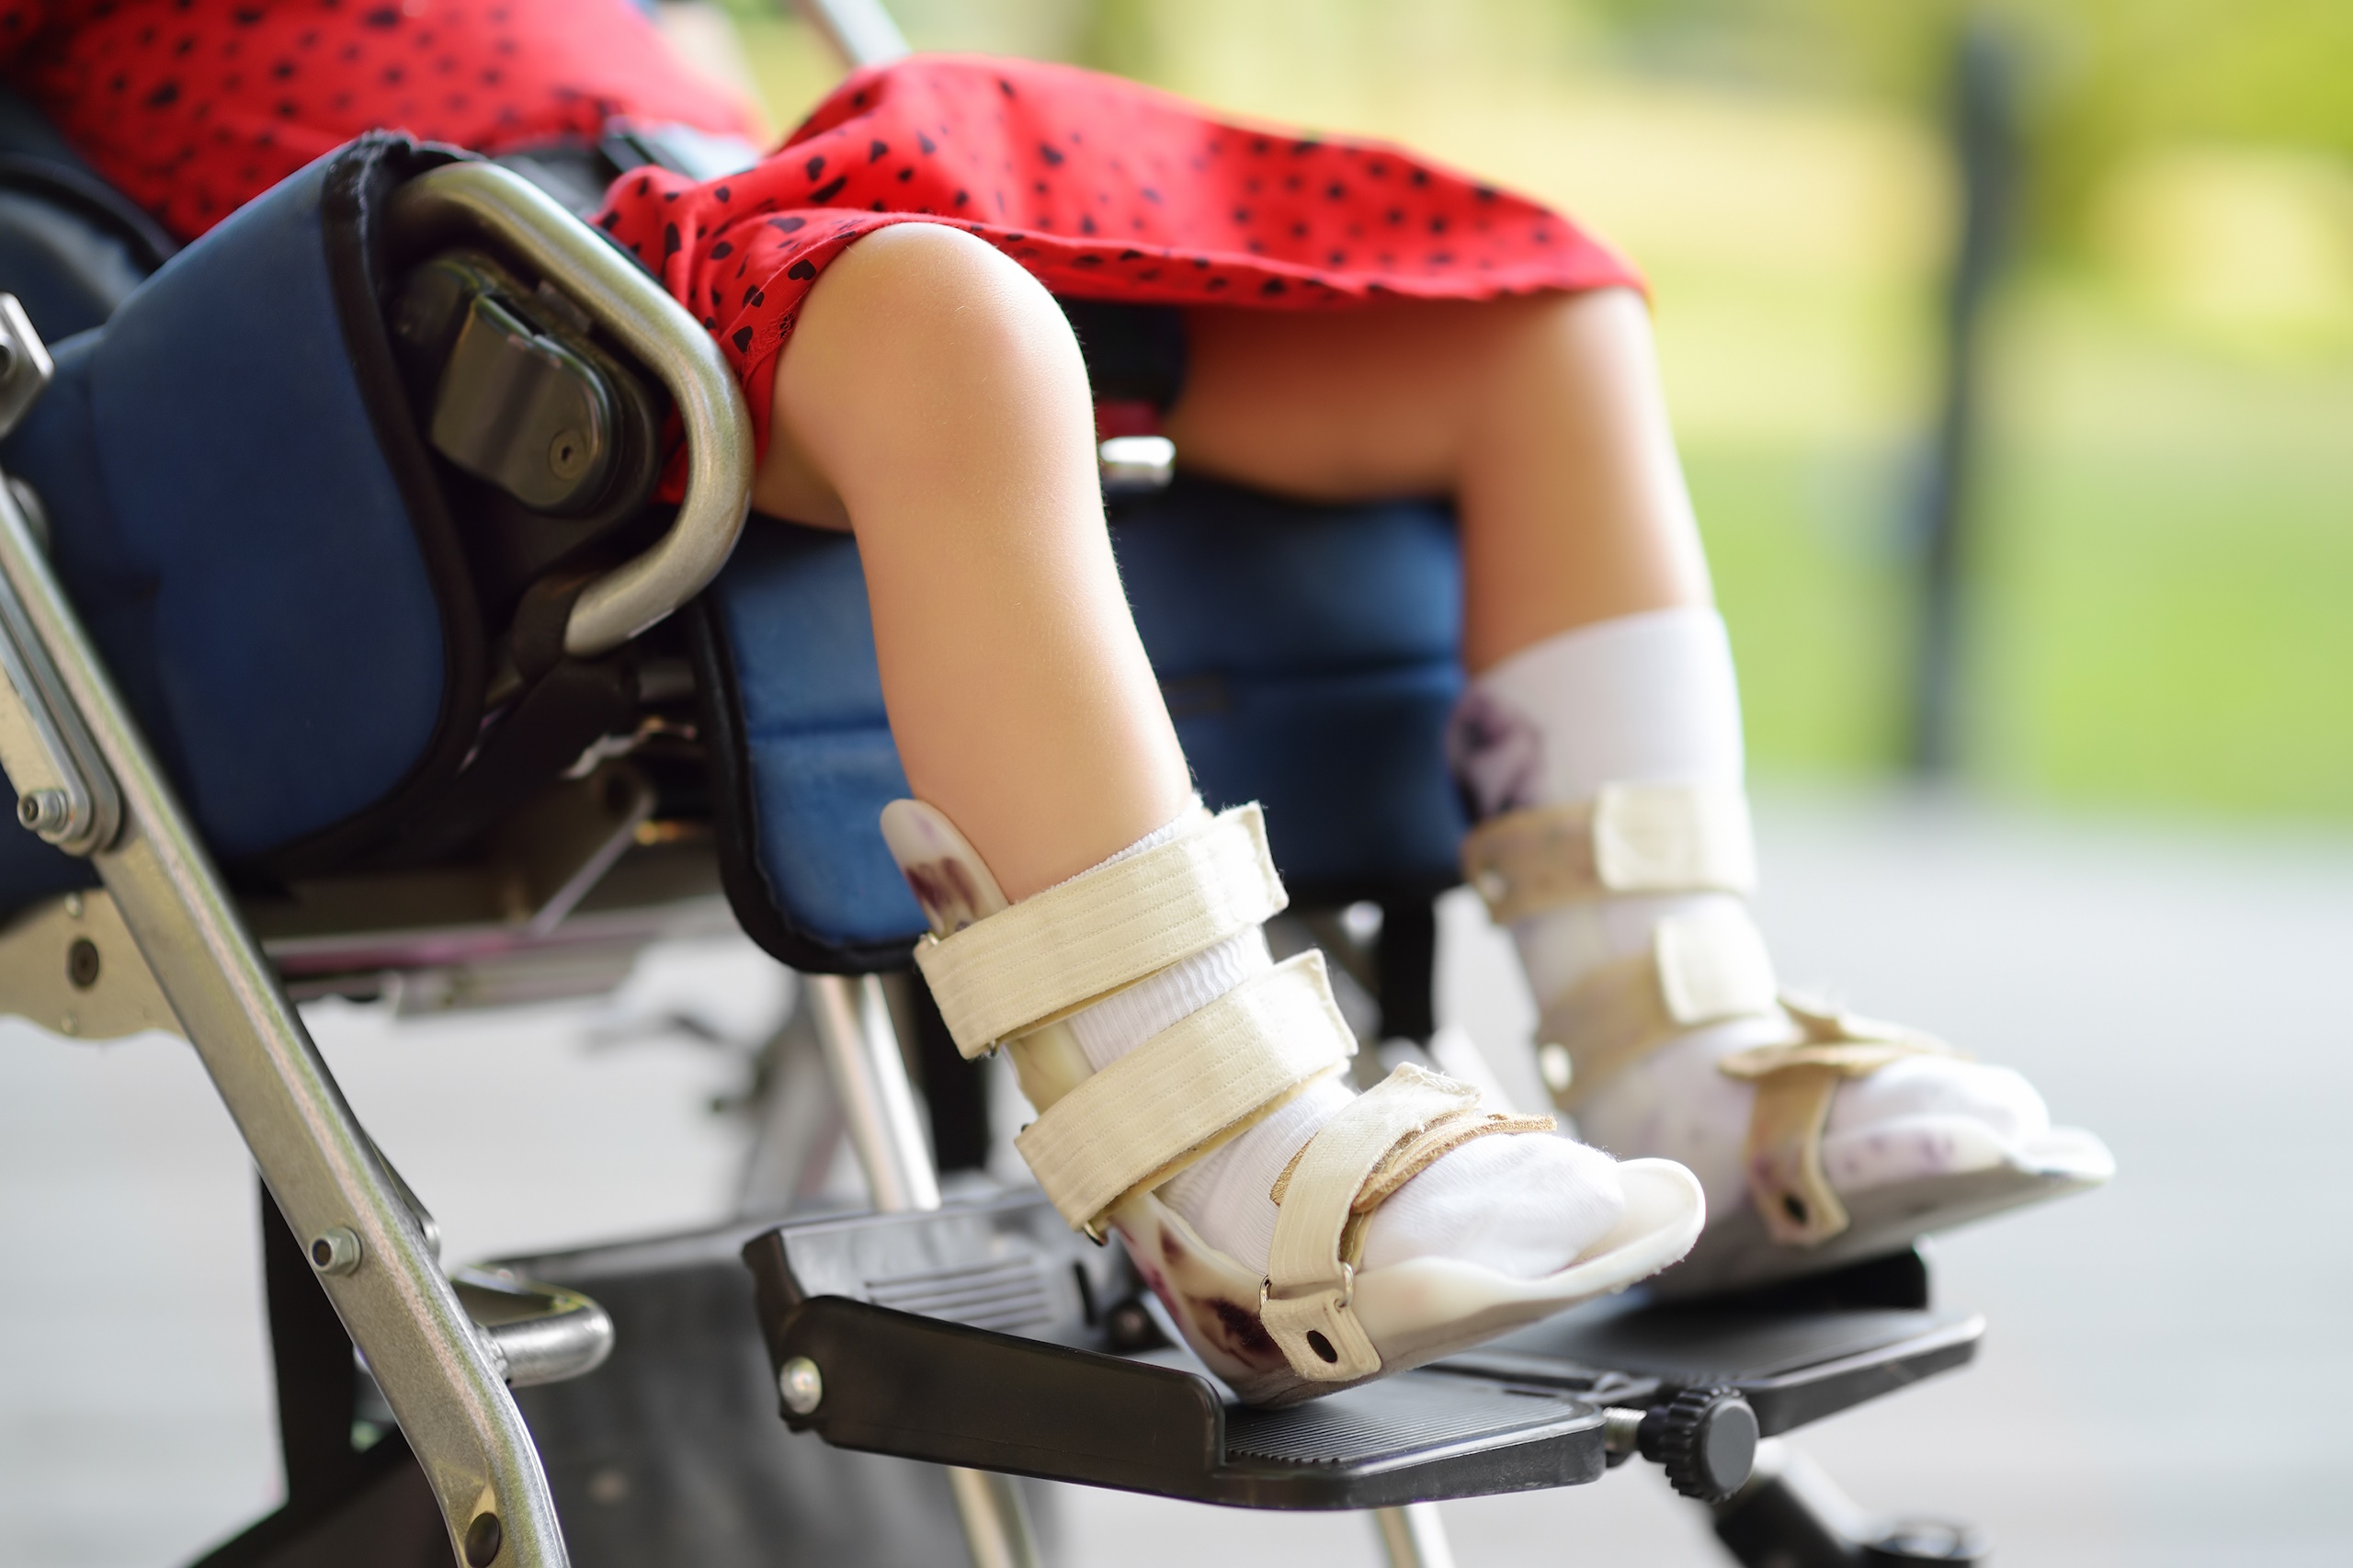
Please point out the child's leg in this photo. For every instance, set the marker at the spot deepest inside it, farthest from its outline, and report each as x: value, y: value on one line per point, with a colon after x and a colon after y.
x: 1540, y: 416
x: 1598, y: 663
x: 932, y: 398
x: 932, y: 394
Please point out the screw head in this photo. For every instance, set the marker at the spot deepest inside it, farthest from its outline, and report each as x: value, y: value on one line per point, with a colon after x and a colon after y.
x: 568, y: 454
x: 335, y: 1251
x: 1558, y: 1067
x: 483, y: 1538
x: 43, y: 810
x: 802, y: 1385
x: 82, y: 963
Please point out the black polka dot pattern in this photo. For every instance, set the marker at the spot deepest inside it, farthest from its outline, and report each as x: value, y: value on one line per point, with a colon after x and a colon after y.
x: 1102, y: 190
x: 193, y: 108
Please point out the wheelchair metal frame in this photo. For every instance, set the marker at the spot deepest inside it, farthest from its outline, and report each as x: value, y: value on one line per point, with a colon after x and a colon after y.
x: 164, y: 944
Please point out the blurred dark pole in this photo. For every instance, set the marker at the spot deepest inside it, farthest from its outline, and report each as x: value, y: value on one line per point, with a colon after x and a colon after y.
x: 1986, y: 146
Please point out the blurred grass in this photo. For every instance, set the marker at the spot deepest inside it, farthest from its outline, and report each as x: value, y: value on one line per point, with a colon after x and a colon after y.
x: 2167, y: 566
x: 2163, y: 543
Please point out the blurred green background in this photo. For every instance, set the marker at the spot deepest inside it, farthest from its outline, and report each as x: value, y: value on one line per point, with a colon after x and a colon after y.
x: 2161, y: 549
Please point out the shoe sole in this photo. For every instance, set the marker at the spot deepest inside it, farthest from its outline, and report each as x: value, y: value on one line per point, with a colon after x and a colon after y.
x: 1736, y: 1252
x: 1415, y: 1311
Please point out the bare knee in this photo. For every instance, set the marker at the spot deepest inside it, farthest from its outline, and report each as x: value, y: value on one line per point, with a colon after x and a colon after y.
x: 923, y: 357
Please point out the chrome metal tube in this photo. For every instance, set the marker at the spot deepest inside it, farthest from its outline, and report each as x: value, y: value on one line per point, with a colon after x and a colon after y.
x: 870, y: 1077
x: 1413, y: 1536
x: 859, y: 31
x: 474, y: 201
x: 996, y: 1521
x: 443, y: 1385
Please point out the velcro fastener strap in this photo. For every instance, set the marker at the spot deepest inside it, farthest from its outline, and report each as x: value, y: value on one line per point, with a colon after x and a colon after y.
x: 1077, y: 941
x: 1795, y: 1080
x: 1701, y: 968
x: 1187, y: 1090
x: 1382, y: 1140
x: 1630, y: 838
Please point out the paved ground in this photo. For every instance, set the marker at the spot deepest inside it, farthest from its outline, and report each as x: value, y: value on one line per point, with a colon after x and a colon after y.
x: 2164, y: 1383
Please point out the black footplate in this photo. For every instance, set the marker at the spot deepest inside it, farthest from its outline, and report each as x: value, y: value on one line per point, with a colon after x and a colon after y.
x: 1796, y: 1352
x: 987, y: 1335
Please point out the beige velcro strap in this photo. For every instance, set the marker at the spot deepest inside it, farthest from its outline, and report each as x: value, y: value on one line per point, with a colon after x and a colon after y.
x: 1795, y: 1080
x: 1385, y: 1138
x: 1104, y: 929
x: 1177, y: 1097
x: 1702, y: 968
x: 1630, y: 838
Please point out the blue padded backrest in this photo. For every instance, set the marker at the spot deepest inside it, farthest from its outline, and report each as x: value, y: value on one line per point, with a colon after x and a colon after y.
x: 1310, y: 656
x: 234, y: 537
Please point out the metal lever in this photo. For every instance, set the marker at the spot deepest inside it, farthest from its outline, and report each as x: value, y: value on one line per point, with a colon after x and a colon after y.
x: 474, y: 201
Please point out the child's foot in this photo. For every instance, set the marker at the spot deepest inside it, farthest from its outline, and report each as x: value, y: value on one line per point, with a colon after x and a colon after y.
x: 1923, y: 1142
x: 1304, y: 1237
x: 1818, y: 1138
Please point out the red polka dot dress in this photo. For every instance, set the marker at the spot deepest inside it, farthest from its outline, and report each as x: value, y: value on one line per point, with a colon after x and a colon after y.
x: 1102, y: 188
x: 193, y: 108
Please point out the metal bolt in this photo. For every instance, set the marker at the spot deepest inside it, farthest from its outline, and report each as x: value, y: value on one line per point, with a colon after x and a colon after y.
x: 43, y: 810
x: 82, y: 963
x: 1558, y: 1067
x: 483, y: 1538
x: 568, y: 454
x: 802, y: 1385
x: 337, y: 1252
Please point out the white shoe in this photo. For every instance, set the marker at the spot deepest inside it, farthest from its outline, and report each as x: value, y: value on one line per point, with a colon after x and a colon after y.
x: 1105, y: 1142
x: 1850, y: 1138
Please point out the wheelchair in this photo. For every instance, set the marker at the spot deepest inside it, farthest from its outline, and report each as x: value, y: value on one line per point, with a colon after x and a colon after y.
x: 350, y: 654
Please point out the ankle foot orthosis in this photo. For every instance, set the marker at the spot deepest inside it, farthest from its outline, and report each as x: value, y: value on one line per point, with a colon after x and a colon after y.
x: 1010, y: 974
x: 1649, y: 839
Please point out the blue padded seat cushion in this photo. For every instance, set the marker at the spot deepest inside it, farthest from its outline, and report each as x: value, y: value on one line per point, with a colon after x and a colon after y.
x: 250, y: 527
x: 1309, y: 655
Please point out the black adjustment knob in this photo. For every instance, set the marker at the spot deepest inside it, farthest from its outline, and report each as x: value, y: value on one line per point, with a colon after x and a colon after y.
x: 1706, y: 1439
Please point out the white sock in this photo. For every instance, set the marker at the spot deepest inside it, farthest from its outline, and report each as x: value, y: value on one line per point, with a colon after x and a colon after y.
x: 1652, y: 698
x: 1524, y: 1206
x: 1643, y: 698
